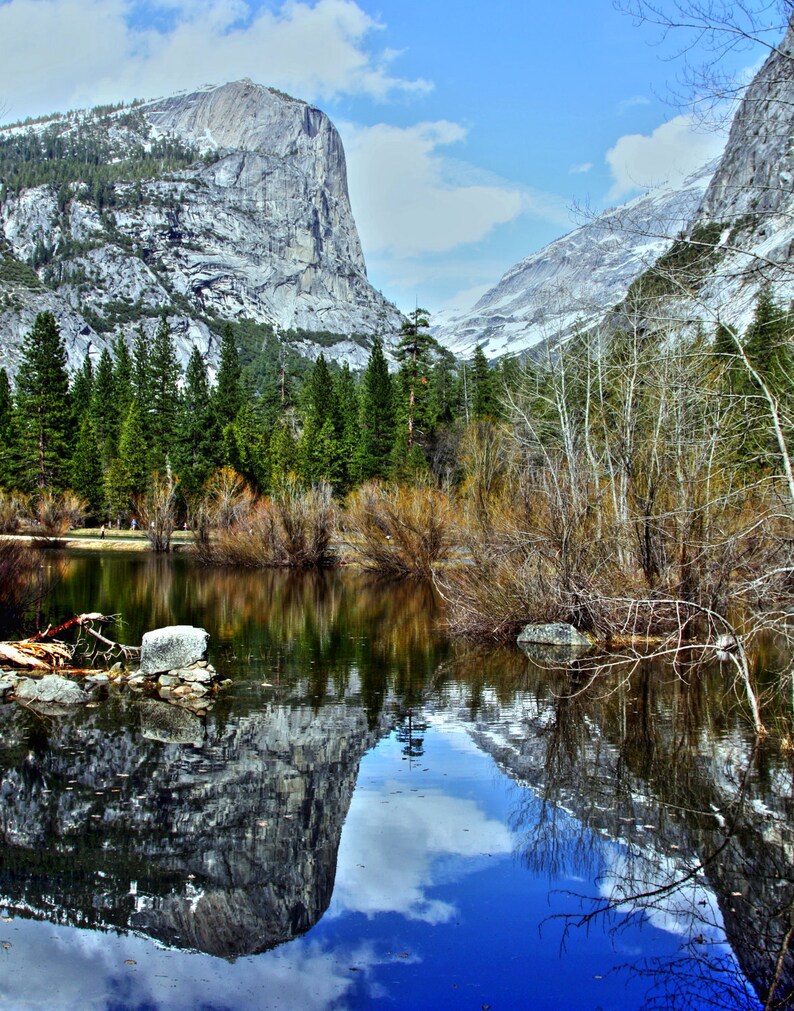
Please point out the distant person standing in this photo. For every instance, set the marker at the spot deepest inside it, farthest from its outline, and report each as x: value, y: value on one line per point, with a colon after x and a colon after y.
x: 133, y: 524
x: 102, y: 532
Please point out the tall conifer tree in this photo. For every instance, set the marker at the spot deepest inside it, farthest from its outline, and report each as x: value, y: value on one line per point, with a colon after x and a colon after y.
x: 377, y: 417
x: 196, y: 449
x: 44, y: 405
x: 105, y: 408
x: 9, y: 436
x: 82, y: 389
x: 165, y: 374
x: 228, y: 397
x: 86, y: 469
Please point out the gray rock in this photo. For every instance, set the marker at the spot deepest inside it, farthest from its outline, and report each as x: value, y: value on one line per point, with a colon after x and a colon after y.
x: 51, y: 688
x: 557, y: 633
x: 167, y: 680
x: 6, y: 687
x: 165, y: 649
x: 193, y: 675
x: 263, y: 230
x: 169, y: 724
x: 97, y: 679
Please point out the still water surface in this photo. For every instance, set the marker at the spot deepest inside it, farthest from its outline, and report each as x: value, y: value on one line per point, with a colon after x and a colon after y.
x: 371, y: 815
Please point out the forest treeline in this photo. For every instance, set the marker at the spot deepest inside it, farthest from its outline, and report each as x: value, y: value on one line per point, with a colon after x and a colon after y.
x: 134, y: 414
x: 629, y: 480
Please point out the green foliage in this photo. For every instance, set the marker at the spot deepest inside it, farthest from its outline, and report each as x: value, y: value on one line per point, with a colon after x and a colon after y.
x: 376, y: 417
x: 196, y: 445
x: 91, y: 157
x: 688, y: 260
x: 134, y: 457
x: 10, y: 450
x: 246, y: 447
x: 105, y: 407
x: 228, y: 393
x: 414, y: 352
x: 82, y: 388
x: 45, y: 411
x: 86, y: 469
x: 164, y: 376
x: 483, y: 399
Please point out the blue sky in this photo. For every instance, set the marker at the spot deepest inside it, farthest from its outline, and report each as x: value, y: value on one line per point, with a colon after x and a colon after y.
x: 473, y: 131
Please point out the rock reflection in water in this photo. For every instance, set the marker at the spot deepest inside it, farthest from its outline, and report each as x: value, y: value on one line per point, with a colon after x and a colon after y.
x: 228, y: 847
x: 221, y: 834
x: 665, y: 765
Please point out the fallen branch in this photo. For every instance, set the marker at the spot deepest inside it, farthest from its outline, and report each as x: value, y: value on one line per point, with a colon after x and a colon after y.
x: 35, y: 653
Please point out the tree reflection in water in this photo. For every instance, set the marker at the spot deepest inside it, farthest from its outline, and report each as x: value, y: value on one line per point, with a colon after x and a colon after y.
x: 661, y: 761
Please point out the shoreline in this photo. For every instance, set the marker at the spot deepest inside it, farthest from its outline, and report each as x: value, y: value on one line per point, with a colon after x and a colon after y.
x: 93, y: 542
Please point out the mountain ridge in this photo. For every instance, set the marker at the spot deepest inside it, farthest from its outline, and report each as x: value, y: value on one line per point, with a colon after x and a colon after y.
x: 245, y: 215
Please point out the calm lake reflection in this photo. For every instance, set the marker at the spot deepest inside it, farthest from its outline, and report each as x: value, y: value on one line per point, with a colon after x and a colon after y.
x: 372, y: 815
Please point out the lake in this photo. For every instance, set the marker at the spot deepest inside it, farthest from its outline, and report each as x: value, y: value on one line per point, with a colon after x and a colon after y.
x: 373, y: 815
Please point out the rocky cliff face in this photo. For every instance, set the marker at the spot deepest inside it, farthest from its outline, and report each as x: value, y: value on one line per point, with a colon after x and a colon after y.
x: 229, y: 202
x: 752, y: 196
x: 575, y: 279
x: 739, y: 213
x: 225, y: 845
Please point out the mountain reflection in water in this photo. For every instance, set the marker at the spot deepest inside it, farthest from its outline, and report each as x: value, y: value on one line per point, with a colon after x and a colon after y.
x: 368, y: 785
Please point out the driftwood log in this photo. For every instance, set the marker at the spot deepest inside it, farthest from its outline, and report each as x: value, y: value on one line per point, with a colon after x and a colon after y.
x: 43, y: 652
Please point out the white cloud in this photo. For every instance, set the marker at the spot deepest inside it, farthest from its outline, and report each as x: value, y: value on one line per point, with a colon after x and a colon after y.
x: 422, y: 830
x: 632, y: 103
x: 583, y: 169
x: 65, y: 53
x: 408, y: 199
x: 668, y: 155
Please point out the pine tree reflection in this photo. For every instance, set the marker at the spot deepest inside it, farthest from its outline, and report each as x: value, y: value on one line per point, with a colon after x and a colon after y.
x: 658, y: 758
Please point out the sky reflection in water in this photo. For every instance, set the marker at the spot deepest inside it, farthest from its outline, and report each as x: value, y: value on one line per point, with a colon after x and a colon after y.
x: 455, y: 859
x: 431, y: 908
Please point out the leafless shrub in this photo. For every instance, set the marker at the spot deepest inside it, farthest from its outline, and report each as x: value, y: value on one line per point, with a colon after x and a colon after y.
x: 399, y: 531
x: 227, y: 499
x: 157, y: 510
x: 56, y: 513
x: 14, y: 509
x: 293, y: 529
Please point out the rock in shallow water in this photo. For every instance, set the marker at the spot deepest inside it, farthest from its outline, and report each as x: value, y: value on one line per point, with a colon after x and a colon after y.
x: 50, y: 688
x: 165, y: 649
x: 557, y: 633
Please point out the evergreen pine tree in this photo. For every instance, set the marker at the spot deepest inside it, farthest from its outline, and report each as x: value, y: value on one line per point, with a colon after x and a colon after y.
x: 134, y: 452
x: 767, y: 346
x: 483, y: 400
x: 766, y: 340
x: 283, y: 452
x: 141, y: 373
x: 376, y: 417
x: 347, y: 426
x: 9, y: 436
x: 197, y: 443
x: 86, y: 469
x: 414, y: 351
x: 319, y: 453
x: 82, y: 389
x: 246, y: 447
x: 227, y: 396
x: 118, y: 491
x: 105, y: 409
x: 45, y: 411
x: 123, y: 371
x: 444, y: 389
x: 165, y: 374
